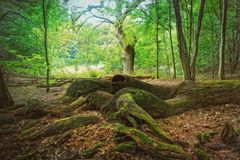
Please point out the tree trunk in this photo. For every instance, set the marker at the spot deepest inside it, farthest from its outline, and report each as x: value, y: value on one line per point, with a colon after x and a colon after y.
x: 196, y: 40
x: 222, y: 45
x: 171, y: 42
x: 45, y: 43
x: 128, y: 60
x: 157, y: 39
x: 121, y: 81
x: 129, y: 52
x: 212, y: 45
x: 191, y: 27
x: 5, y: 97
x: 183, y: 53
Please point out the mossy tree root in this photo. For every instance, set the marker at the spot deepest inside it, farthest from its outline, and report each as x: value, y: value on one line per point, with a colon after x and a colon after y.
x: 152, y: 104
x: 126, y: 147
x: 95, y: 100
x: 65, y: 124
x: 37, y: 109
x: 155, y: 148
x: 85, y: 86
x: 128, y: 108
x: 91, y: 151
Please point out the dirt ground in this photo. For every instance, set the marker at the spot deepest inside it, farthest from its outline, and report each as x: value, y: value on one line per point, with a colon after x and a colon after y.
x: 183, y: 128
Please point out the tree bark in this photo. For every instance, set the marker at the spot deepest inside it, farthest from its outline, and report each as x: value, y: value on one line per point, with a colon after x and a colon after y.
x: 171, y: 41
x: 196, y: 40
x: 222, y: 45
x: 191, y: 27
x: 122, y: 81
x: 157, y: 39
x: 128, y: 60
x: 45, y: 44
x: 5, y: 97
x: 129, y: 51
x: 183, y: 53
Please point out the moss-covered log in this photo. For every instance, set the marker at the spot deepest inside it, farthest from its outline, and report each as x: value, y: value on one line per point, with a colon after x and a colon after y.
x: 212, y: 92
x: 188, y: 97
x: 65, y: 124
x: 85, y: 86
x: 156, y: 148
x: 122, y: 81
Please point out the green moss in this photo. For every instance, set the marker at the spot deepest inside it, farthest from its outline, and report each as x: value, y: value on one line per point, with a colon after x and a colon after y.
x: 202, y: 137
x: 127, y: 106
x: 126, y: 147
x: 218, y: 83
x: 85, y: 86
x: 90, y: 152
x: 201, y: 154
x: 30, y: 124
x: 65, y: 124
x: 156, y: 148
x: 77, y: 103
x: 67, y: 99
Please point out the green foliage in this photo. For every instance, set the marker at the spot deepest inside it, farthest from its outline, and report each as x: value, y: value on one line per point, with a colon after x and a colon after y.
x: 73, y: 46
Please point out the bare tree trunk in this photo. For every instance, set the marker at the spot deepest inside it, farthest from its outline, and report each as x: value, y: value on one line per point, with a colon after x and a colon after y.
x: 45, y: 43
x: 222, y: 45
x: 171, y: 42
x: 191, y: 27
x: 157, y: 40
x: 5, y: 97
x: 212, y: 45
x: 183, y: 53
x: 196, y: 40
x: 128, y: 59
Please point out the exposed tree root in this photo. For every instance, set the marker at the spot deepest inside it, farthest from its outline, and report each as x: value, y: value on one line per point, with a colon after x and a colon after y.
x: 7, y: 119
x: 126, y: 147
x: 151, y: 146
x: 27, y: 129
x: 65, y: 124
x: 76, y: 104
x: 95, y: 100
x: 149, y: 102
x: 134, y: 102
x: 127, y: 107
x: 90, y: 152
x: 85, y: 86
x: 205, y: 136
x: 229, y: 135
x: 201, y: 154
x: 37, y: 109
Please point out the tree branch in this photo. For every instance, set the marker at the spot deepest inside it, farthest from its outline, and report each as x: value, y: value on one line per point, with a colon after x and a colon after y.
x: 99, y: 17
x: 19, y: 14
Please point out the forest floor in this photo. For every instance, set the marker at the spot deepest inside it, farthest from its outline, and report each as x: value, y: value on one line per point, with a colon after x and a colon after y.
x: 183, y: 127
